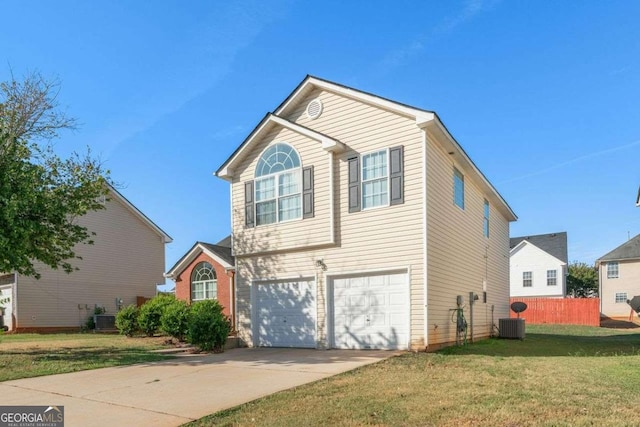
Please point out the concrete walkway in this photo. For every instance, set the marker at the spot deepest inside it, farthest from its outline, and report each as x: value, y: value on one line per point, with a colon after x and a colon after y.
x: 177, y: 391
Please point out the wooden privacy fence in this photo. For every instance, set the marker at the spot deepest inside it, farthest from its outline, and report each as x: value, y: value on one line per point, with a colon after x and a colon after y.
x: 564, y: 311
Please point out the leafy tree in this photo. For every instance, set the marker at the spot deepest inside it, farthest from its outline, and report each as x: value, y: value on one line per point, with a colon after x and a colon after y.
x: 41, y: 194
x: 582, y: 281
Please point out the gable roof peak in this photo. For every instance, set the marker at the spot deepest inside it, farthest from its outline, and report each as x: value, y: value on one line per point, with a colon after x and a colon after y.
x: 628, y: 250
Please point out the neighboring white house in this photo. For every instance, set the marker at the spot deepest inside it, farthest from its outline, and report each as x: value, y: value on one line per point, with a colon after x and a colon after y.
x: 539, y: 265
x: 127, y: 261
x: 619, y: 277
x: 357, y: 221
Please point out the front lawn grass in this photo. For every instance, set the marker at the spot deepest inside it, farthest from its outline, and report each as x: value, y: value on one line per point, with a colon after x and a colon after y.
x: 557, y: 376
x: 33, y: 355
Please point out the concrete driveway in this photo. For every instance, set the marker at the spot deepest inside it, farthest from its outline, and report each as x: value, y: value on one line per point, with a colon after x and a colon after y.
x: 177, y: 391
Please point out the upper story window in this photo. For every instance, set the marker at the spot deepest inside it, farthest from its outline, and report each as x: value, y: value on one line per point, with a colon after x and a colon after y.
x: 375, y: 180
x: 203, y: 282
x: 527, y: 279
x: 458, y: 188
x: 612, y: 270
x: 552, y: 277
x: 278, y: 185
x: 486, y: 219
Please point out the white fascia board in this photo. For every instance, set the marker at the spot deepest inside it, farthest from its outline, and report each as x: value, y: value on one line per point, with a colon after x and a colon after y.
x: 536, y: 248
x: 451, y: 145
x: 193, y: 254
x: 364, y: 97
x: 328, y: 144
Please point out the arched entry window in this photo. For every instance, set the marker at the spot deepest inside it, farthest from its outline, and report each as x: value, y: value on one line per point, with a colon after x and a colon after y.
x: 203, y: 282
x: 278, y: 185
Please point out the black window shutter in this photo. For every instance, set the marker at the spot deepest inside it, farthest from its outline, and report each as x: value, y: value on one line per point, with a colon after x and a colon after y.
x: 307, y: 192
x: 354, y: 184
x: 248, y: 204
x: 396, y: 175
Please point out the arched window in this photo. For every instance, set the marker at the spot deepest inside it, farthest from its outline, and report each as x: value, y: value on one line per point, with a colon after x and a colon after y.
x: 203, y: 282
x: 278, y: 185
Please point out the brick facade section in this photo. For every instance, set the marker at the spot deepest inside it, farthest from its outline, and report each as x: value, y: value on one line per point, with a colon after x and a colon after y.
x: 183, y: 282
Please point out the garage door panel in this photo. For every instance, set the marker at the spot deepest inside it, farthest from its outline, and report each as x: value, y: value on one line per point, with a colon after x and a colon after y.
x: 371, y: 311
x: 286, y: 314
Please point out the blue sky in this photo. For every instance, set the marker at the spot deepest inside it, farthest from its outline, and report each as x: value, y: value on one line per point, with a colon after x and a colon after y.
x: 543, y: 96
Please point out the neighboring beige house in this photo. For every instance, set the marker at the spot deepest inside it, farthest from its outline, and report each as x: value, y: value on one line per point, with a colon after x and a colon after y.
x: 357, y: 221
x: 539, y: 265
x: 619, y: 277
x: 127, y: 261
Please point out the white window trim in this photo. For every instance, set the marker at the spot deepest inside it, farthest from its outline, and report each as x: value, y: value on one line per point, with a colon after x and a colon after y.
x: 205, y: 283
x: 362, y: 181
x: 455, y: 169
x: 555, y: 278
x: 276, y: 177
x: 530, y: 279
x: 615, y: 297
x: 486, y: 213
x: 617, y: 264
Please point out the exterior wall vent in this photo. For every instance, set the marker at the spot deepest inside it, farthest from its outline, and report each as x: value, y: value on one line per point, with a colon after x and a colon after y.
x: 314, y: 109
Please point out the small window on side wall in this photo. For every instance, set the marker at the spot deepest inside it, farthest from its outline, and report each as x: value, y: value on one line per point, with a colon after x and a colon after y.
x: 458, y: 188
x: 612, y: 270
x: 527, y: 279
x: 486, y: 219
x: 621, y: 297
x: 552, y: 277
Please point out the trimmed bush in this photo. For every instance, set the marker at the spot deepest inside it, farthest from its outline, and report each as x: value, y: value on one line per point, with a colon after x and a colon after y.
x: 151, y: 312
x: 175, y: 319
x: 127, y: 320
x: 208, y: 326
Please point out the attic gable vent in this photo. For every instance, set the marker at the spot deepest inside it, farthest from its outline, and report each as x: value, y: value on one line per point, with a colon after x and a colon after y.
x: 314, y: 109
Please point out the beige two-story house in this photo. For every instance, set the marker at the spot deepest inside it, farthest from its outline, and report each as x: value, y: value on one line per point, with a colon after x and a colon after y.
x: 619, y: 279
x: 122, y: 267
x: 357, y: 221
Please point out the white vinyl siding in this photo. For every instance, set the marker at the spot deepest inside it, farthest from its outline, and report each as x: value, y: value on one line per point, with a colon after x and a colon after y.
x: 627, y: 282
x: 613, y: 271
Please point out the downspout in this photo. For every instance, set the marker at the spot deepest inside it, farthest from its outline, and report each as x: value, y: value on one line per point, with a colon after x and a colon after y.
x: 332, y: 228
x: 425, y: 238
x: 14, y: 298
x: 231, y: 273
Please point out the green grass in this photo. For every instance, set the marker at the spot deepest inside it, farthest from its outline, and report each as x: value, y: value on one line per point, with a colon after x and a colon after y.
x: 32, y: 355
x: 557, y: 376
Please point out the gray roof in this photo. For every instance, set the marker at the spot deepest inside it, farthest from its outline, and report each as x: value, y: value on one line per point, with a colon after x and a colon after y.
x: 222, y: 249
x: 628, y: 250
x: 554, y: 244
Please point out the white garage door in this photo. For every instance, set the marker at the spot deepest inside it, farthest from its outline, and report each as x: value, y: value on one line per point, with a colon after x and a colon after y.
x: 285, y: 314
x: 371, y: 312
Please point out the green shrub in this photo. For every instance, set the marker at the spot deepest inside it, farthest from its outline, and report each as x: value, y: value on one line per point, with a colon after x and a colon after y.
x: 208, y: 326
x: 127, y: 320
x: 151, y: 312
x: 175, y: 319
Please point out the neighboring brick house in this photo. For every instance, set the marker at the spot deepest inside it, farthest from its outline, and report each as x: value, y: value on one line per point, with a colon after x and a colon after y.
x: 206, y: 271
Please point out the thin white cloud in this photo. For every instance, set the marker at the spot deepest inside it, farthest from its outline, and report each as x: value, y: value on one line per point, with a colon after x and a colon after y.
x: 572, y: 161
x: 415, y: 47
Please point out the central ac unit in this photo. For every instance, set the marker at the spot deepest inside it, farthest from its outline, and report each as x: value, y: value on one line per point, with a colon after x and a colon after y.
x: 511, y: 328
